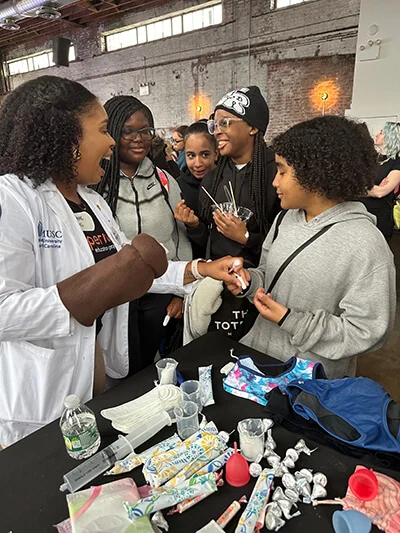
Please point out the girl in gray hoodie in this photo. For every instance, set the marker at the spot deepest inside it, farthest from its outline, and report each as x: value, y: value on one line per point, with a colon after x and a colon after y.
x: 336, y: 299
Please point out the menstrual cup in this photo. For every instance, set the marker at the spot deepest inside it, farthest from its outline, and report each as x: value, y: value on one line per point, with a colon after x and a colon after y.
x: 351, y: 522
x: 364, y: 484
x: 237, y: 470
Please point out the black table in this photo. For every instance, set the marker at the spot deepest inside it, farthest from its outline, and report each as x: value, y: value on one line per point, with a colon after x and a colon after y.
x: 31, y: 470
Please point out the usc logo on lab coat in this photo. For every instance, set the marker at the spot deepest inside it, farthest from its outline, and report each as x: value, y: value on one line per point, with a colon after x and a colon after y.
x: 49, y: 238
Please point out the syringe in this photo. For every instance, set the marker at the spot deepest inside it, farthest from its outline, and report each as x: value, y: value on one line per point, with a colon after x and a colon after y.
x: 101, y: 461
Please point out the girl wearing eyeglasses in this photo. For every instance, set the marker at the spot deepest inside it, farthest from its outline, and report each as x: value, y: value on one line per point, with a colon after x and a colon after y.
x: 178, y: 145
x: 381, y: 198
x: 248, y: 166
x: 142, y: 198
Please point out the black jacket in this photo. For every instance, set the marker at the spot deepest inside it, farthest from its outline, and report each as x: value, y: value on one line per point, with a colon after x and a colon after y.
x: 382, y: 208
x: 221, y: 246
x: 190, y: 187
x: 170, y: 166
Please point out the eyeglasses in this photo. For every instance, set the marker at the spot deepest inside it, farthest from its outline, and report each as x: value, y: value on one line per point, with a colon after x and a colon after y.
x: 222, y: 124
x: 177, y: 141
x: 130, y: 134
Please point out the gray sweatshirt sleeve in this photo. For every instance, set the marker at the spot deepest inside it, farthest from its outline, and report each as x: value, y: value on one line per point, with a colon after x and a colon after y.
x: 368, y: 311
x: 185, y: 248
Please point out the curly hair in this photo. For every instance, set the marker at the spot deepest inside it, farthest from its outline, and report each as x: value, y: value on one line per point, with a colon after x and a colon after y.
x: 40, y: 128
x: 119, y: 110
x: 331, y: 156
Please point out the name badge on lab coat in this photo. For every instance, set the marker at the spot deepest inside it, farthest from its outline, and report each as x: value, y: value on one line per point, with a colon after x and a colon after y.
x: 85, y: 221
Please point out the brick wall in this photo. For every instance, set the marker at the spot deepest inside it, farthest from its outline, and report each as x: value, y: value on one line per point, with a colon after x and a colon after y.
x: 295, y: 89
x: 286, y: 52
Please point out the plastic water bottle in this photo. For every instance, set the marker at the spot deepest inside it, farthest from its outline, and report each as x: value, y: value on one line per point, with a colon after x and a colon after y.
x: 79, y: 428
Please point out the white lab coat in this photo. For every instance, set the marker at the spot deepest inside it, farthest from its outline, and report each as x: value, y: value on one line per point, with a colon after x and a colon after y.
x: 45, y: 354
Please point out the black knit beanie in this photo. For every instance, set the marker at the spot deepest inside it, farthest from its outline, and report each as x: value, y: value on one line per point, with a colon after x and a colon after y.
x: 249, y: 104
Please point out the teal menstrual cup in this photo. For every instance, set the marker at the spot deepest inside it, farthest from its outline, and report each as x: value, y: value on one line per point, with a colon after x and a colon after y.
x: 351, y: 522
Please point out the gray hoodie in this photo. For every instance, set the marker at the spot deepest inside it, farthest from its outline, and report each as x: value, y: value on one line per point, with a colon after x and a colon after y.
x: 341, y: 289
x: 145, y: 206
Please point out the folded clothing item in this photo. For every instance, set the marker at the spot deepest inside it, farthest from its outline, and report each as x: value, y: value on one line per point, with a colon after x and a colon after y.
x: 280, y: 410
x: 253, y: 381
x: 338, y: 406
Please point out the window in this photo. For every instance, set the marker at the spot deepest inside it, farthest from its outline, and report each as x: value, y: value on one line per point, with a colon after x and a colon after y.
x: 277, y: 4
x: 160, y: 29
x: 34, y: 62
x: 176, y: 25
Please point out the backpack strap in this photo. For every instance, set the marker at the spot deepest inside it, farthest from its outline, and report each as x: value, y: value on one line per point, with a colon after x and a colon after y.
x: 295, y: 254
x: 163, y: 178
x: 278, y: 223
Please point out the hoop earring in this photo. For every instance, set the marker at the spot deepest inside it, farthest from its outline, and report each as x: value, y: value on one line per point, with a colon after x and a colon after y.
x: 76, y: 154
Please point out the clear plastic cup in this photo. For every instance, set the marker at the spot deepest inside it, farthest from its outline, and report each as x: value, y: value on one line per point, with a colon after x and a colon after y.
x: 242, y: 212
x: 166, y: 370
x: 187, y: 419
x: 251, y: 438
x: 191, y: 391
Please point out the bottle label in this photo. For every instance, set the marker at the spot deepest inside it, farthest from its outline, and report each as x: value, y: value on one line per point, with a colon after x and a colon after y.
x: 77, y: 443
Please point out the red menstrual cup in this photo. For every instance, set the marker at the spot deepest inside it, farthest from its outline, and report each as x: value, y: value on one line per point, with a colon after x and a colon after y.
x: 237, y: 470
x: 364, y: 484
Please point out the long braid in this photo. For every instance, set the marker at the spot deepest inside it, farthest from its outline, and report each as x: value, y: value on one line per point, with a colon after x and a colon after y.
x: 257, y: 176
x: 118, y: 109
x: 258, y: 182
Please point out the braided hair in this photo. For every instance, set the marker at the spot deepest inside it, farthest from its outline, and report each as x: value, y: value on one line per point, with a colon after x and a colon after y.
x: 257, y: 176
x: 118, y: 109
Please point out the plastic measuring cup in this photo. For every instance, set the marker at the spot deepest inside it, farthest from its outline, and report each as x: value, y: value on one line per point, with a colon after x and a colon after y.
x: 364, y: 484
x: 351, y: 522
x: 191, y: 391
x: 251, y: 438
x: 166, y: 371
x: 187, y: 419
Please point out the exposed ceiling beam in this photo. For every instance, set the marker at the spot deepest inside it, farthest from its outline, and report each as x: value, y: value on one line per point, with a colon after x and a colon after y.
x: 78, y: 15
x: 106, y: 12
x: 73, y: 23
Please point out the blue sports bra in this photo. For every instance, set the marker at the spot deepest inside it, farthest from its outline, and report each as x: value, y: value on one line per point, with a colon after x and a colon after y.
x: 253, y: 381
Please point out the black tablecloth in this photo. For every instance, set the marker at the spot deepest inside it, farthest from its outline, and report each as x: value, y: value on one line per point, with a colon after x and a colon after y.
x: 31, y: 470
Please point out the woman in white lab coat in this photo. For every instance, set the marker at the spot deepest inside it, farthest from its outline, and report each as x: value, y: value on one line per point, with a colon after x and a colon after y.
x: 66, y: 269
x: 65, y: 274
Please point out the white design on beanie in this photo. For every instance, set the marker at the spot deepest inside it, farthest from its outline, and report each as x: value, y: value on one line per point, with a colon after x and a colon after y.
x: 237, y: 101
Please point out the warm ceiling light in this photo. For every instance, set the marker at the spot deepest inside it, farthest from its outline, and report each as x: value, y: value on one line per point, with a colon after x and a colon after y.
x: 324, y: 96
x: 199, y: 108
